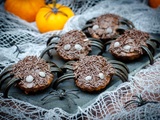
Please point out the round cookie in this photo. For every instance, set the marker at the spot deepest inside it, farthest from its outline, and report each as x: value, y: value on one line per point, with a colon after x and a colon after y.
x: 128, y: 46
x: 92, y: 73
x: 73, y: 45
x: 104, y: 27
x: 34, y: 73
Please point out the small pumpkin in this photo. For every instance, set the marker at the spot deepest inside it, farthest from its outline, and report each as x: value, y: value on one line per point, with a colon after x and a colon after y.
x: 53, y: 17
x: 154, y: 3
x: 25, y: 9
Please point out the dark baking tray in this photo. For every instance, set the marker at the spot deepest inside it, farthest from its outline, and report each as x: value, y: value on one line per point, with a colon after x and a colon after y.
x: 85, y: 98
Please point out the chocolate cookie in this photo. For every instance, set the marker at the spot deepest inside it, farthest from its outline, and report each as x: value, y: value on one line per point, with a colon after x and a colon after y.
x: 34, y: 73
x: 133, y: 44
x: 73, y: 45
x: 92, y: 73
x: 106, y: 27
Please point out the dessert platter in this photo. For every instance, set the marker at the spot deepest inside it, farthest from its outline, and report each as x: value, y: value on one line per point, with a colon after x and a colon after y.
x: 77, y: 68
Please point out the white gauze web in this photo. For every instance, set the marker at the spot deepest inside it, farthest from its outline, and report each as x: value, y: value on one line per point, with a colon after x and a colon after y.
x: 109, y: 104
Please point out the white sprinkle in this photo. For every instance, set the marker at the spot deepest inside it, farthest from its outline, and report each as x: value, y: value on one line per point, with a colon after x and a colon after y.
x: 42, y: 74
x: 88, y: 78
x: 101, y: 75
x: 109, y: 30
x: 95, y: 27
x: 67, y: 47
x: 127, y: 47
x: 116, y: 44
x: 29, y: 78
x: 78, y: 47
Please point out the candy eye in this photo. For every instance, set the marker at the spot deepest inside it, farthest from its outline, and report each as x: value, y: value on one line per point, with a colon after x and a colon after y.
x: 116, y: 44
x: 95, y: 27
x: 42, y: 74
x: 88, y: 78
x: 127, y: 47
x: 78, y: 47
x: 109, y: 30
x: 29, y: 78
x: 67, y: 47
x: 101, y: 75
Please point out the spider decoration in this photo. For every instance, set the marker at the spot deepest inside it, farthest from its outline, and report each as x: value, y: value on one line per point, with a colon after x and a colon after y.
x: 30, y: 74
x: 92, y: 73
x: 107, y: 26
x: 140, y: 102
x: 133, y: 44
x: 61, y: 94
x: 72, y: 45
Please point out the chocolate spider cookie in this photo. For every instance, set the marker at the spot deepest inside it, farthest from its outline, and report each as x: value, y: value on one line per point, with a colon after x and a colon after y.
x: 73, y: 45
x: 106, y: 27
x: 133, y: 44
x: 34, y: 73
x: 92, y: 73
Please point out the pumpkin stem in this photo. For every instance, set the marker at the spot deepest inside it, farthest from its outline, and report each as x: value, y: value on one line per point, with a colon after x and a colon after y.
x: 54, y: 9
x: 54, y: 3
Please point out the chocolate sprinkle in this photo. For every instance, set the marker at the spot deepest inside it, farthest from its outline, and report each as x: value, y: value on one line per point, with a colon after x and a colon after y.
x: 92, y: 66
x: 72, y: 38
x: 104, y: 22
x: 32, y: 65
x: 133, y: 38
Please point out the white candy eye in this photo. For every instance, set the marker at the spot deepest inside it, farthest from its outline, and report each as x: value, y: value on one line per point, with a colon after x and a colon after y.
x: 78, y: 47
x: 29, y: 78
x: 88, y: 78
x: 109, y: 30
x: 116, y: 44
x: 42, y: 74
x: 101, y: 75
x: 127, y: 47
x: 95, y: 27
x: 67, y: 47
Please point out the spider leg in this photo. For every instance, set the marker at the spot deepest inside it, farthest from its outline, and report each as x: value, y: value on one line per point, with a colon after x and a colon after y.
x: 46, y: 50
x: 152, y: 45
x: 156, y: 40
x: 86, y: 26
x: 9, y: 84
x: 85, y: 29
x: 73, y: 94
x: 63, y: 78
x: 6, y: 71
x: 55, y: 68
x: 67, y: 65
x: 121, y: 29
x: 119, y: 63
x: 70, y: 99
x: 98, y: 44
x: 49, y: 41
x: 5, y: 78
x: 148, y: 53
x: 5, y: 74
x: 121, y: 75
x: 121, y: 69
x: 126, y: 22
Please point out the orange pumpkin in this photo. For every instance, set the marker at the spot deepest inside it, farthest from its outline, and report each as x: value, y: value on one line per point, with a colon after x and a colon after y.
x: 154, y: 3
x: 25, y: 9
x: 53, y: 17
